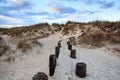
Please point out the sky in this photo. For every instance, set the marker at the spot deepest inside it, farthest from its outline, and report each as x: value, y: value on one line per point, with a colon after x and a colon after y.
x: 28, y: 12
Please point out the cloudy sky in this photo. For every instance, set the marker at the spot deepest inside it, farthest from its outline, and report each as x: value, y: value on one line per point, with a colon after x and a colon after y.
x: 27, y: 12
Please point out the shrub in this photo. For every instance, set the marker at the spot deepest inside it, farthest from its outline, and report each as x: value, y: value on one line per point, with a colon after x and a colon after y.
x: 37, y: 42
x: 3, y: 49
x: 22, y: 45
x: 10, y: 59
x: 116, y: 49
x: 3, y: 46
x: 93, y: 37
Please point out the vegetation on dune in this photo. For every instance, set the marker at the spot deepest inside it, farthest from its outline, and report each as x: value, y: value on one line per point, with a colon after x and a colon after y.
x: 41, y: 28
x: 93, y: 33
x: 96, y: 33
x: 25, y: 45
x: 3, y: 47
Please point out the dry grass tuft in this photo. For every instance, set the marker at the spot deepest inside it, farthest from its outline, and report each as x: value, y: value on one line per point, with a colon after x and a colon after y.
x: 3, y: 47
x: 93, y: 37
x: 24, y: 46
x: 10, y: 59
x: 35, y: 42
x: 116, y: 49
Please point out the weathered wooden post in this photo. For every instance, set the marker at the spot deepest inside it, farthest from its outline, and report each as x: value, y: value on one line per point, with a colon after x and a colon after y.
x: 52, y: 64
x: 73, y: 53
x: 57, y: 51
x: 40, y: 76
x: 59, y: 44
x: 70, y: 47
x: 68, y: 42
x: 81, y: 69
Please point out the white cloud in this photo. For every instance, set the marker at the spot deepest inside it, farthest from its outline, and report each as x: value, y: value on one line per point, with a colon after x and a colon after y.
x: 11, y: 19
x: 72, y: 17
x: 9, y: 26
x: 55, y: 10
x: 18, y: 2
x: 8, y: 18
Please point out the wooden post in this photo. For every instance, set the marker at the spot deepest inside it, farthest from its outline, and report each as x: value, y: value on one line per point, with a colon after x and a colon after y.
x: 40, y: 76
x: 68, y: 42
x: 73, y: 53
x: 52, y: 64
x: 57, y: 51
x: 59, y: 44
x: 81, y: 69
x: 70, y: 47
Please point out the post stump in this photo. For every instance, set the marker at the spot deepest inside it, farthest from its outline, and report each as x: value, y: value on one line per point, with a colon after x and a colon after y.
x: 81, y: 69
x: 73, y: 53
x: 52, y: 64
x: 40, y: 76
x: 59, y: 44
x: 68, y: 42
x: 57, y: 51
x: 70, y: 47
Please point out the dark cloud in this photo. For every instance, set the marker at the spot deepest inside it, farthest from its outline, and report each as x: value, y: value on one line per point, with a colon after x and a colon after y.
x: 69, y: 0
x: 89, y: 12
x: 89, y: 2
x: 25, y: 5
x: 37, y: 13
x: 4, y: 10
x: 64, y: 9
x: 3, y: 1
x: 92, y: 12
x: 25, y: 9
x: 108, y: 5
x: 103, y: 3
x: 21, y: 10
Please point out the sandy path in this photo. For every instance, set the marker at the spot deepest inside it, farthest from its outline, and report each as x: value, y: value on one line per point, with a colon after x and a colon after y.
x: 100, y: 65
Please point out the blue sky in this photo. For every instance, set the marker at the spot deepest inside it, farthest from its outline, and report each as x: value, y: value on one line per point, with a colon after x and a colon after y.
x: 27, y: 12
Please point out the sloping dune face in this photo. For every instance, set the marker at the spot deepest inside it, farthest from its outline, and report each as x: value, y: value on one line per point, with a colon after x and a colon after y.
x: 92, y: 34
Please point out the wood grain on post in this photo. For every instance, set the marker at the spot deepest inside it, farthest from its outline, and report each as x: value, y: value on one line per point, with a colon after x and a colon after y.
x: 40, y: 76
x: 52, y: 64
x: 73, y: 53
x: 57, y: 51
x: 70, y: 47
x: 81, y: 69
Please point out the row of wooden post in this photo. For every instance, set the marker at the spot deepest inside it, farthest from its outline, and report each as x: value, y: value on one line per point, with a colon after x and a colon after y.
x: 52, y: 59
x: 80, y: 67
x: 72, y: 51
x: 52, y: 65
x: 40, y: 76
